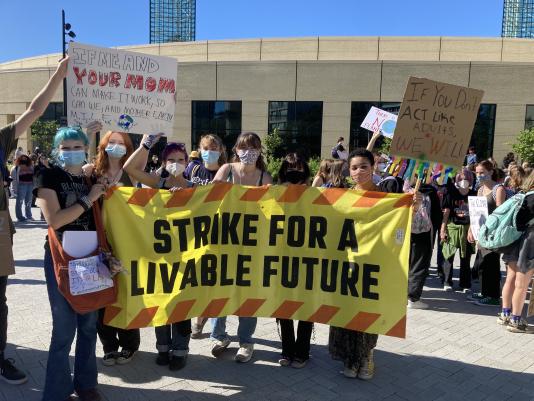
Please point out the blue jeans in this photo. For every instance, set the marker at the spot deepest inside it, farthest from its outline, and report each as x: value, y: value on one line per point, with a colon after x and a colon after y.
x: 245, y: 329
x: 174, y: 337
x: 24, y: 194
x: 65, y: 323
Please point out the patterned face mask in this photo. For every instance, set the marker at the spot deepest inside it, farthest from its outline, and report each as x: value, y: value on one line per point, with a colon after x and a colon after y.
x: 248, y: 156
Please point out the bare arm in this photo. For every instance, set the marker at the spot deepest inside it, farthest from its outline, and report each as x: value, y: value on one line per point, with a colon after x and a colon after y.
x: 222, y: 173
x: 52, y: 212
x: 443, y: 233
x: 317, y: 181
x: 373, y: 140
x: 41, y: 101
x: 267, y: 179
x: 500, y: 196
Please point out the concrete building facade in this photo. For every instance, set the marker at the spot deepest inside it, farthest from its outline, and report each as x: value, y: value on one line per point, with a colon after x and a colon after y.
x: 339, y: 72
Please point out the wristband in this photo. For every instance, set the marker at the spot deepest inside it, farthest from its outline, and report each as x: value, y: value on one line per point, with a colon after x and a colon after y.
x: 150, y: 141
x: 85, y: 202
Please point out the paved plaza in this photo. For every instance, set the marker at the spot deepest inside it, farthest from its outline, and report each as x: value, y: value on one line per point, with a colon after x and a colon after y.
x: 454, y: 351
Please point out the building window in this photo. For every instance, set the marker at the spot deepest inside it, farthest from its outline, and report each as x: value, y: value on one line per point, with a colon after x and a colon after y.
x: 529, y: 117
x: 299, y: 123
x: 482, y: 138
x: 216, y: 117
x: 53, y: 112
x: 360, y: 137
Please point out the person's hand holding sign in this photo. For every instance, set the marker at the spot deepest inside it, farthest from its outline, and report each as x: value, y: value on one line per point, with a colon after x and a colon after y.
x: 62, y: 67
x: 93, y: 127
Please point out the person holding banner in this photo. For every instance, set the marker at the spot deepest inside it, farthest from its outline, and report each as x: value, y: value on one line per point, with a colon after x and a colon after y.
x: 66, y: 197
x: 321, y: 178
x: 488, y: 262
x: 247, y: 168
x: 172, y: 340
x: 354, y: 348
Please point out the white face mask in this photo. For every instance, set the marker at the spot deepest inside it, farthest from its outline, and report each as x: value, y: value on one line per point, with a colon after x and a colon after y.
x: 464, y: 184
x: 175, y: 169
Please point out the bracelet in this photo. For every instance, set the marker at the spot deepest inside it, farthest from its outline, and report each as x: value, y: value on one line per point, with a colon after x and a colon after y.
x: 85, y: 202
x: 149, y: 141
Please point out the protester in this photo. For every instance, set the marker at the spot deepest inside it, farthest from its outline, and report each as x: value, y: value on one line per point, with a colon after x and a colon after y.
x: 355, y: 348
x: 152, y: 165
x: 247, y: 168
x: 471, y: 157
x: 336, y: 179
x: 519, y: 258
x: 510, y: 157
x: 66, y: 197
x: 339, y: 151
x: 295, y: 351
x: 323, y: 173
x: 454, y: 229
x: 194, y: 157
x: 8, y: 141
x: 172, y: 340
x: 487, y: 263
x: 22, y: 174
x: 213, y: 153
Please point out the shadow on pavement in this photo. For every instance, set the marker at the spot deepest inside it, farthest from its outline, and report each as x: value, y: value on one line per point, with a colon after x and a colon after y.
x: 29, y: 263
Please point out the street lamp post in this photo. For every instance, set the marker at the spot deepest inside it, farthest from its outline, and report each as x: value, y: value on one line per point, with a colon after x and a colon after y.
x: 65, y: 30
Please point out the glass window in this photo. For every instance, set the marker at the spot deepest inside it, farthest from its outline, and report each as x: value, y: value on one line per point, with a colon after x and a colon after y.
x: 298, y: 123
x: 529, y: 116
x: 216, y: 117
x: 360, y: 137
x: 53, y: 112
x: 484, y: 130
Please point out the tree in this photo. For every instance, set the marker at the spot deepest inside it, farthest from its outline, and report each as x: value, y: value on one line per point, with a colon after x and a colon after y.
x: 524, y: 145
x: 385, y: 145
x: 273, y: 145
x: 43, y: 133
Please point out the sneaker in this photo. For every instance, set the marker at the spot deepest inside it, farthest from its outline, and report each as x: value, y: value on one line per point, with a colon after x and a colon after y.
x: 125, y: 356
x: 10, y: 373
x: 110, y: 358
x: 518, y: 327
x: 284, y: 361
x: 488, y: 301
x: 177, y: 362
x: 299, y: 363
x: 163, y: 358
x: 447, y: 288
x: 351, y: 373
x: 503, y: 320
x: 367, y: 368
x: 219, y: 346
x: 244, y: 353
x: 196, y: 329
x: 417, y: 304
x: 474, y: 297
x: 466, y: 291
x: 90, y: 394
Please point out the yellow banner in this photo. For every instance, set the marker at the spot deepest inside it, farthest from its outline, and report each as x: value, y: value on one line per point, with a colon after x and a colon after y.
x: 332, y: 256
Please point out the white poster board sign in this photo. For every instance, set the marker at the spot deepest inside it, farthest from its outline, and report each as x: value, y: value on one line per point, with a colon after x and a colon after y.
x: 478, y: 213
x: 126, y: 91
x: 88, y: 275
x: 380, y: 120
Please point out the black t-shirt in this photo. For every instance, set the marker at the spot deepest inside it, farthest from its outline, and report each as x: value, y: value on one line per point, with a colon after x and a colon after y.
x: 198, y: 174
x: 458, y: 204
x: 68, y: 189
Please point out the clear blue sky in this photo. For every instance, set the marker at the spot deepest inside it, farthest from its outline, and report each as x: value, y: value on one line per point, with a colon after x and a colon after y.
x: 33, y: 27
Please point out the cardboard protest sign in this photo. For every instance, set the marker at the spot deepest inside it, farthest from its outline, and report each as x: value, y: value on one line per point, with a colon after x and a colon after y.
x: 7, y: 263
x: 435, y: 121
x: 478, y: 213
x: 530, y: 311
x: 380, y: 120
x: 126, y: 91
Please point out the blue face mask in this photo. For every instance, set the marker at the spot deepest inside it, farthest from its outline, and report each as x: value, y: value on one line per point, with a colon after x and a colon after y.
x: 210, y: 156
x: 116, y: 150
x: 71, y: 157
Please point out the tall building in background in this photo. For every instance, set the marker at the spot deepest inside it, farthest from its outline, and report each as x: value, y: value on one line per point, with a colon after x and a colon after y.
x: 518, y: 19
x: 172, y: 20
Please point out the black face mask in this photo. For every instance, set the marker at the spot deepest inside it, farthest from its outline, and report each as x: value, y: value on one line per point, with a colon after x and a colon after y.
x: 295, y: 177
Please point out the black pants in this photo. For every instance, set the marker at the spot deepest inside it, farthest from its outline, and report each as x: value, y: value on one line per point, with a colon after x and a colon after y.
x: 112, y: 338
x: 489, y: 273
x: 299, y: 347
x: 3, y: 314
x: 420, y: 256
x: 465, y: 269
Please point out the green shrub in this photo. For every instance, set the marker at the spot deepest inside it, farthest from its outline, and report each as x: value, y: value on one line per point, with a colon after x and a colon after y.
x: 524, y: 145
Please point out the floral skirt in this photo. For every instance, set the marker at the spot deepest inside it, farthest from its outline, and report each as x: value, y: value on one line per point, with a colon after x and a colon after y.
x: 350, y: 346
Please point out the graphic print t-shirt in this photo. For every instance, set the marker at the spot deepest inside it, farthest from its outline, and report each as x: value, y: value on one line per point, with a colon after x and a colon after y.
x: 458, y: 204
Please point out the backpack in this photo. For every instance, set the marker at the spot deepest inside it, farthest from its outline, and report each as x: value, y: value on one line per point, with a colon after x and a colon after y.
x: 334, y: 152
x: 499, y: 229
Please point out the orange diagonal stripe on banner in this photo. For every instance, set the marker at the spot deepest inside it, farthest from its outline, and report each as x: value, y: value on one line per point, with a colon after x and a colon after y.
x: 214, y: 307
x: 249, y: 307
x: 329, y: 196
x: 287, y: 309
x: 109, y: 192
x: 110, y: 313
x: 181, y: 197
x: 362, y: 321
x: 292, y: 193
x: 180, y: 311
x: 369, y: 199
x: 323, y: 314
x: 399, y: 330
x: 254, y: 194
x: 404, y: 201
x: 143, y: 318
x: 218, y: 191
x: 142, y: 196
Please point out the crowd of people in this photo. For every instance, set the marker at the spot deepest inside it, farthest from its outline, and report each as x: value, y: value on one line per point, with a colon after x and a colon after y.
x: 69, y: 191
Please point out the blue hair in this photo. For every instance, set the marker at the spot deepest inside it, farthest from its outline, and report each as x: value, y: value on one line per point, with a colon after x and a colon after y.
x: 70, y: 134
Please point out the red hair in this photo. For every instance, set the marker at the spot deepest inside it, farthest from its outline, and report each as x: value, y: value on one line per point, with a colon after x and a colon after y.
x: 102, y: 158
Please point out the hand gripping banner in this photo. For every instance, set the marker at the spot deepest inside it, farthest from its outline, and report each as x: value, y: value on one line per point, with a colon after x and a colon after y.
x: 332, y: 256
